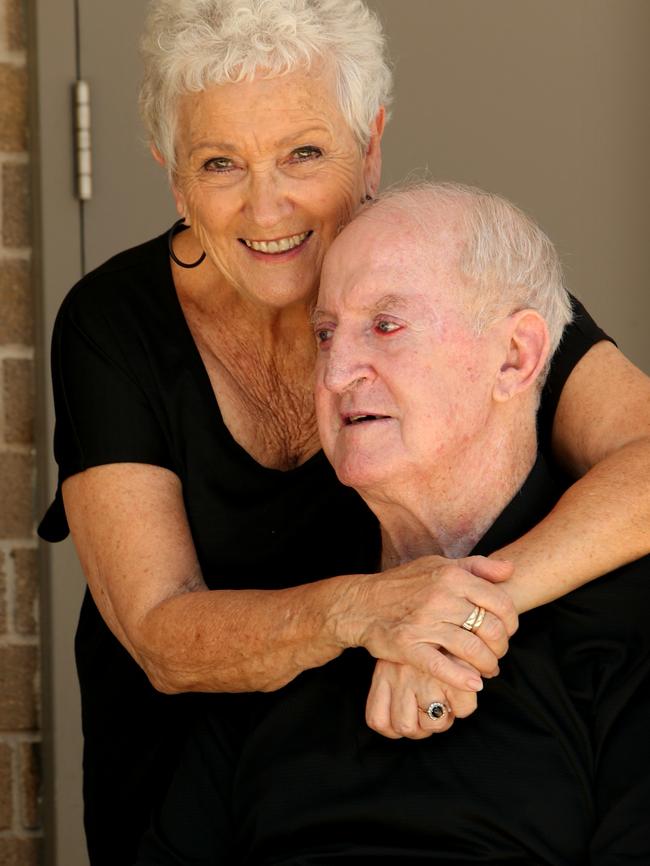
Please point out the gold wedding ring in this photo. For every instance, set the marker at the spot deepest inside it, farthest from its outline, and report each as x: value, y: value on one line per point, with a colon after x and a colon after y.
x: 475, y: 619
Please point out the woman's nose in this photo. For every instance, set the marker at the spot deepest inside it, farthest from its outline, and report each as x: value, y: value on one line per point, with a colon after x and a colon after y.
x: 268, y: 202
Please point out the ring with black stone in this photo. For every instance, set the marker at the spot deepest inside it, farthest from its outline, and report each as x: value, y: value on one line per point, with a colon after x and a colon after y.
x: 435, y: 710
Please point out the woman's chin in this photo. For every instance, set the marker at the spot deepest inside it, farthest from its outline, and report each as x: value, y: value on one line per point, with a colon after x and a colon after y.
x: 281, y: 293
x: 277, y: 284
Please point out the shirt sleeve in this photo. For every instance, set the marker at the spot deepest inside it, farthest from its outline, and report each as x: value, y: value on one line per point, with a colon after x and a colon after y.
x: 579, y: 336
x: 103, y: 412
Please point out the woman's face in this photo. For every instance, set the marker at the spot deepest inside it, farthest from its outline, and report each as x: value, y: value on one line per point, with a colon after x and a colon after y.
x: 267, y: 173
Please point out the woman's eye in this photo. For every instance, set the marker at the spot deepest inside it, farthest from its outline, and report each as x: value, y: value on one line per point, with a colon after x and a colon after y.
x: 219, y: 164
x: 384, y: 326
x: 303, y: 154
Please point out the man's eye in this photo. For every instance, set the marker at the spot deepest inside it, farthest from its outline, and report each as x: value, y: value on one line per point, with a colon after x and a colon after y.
x: 323, y: 335
x: 303, y: 154
x: 384, y: 326
x: 219, y: 164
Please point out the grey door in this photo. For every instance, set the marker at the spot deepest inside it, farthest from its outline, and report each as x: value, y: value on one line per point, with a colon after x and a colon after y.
x: 131, y: 199
x: 130, y: 203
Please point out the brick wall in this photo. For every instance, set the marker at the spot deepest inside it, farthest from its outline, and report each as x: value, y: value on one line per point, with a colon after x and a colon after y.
x: 19, y: 637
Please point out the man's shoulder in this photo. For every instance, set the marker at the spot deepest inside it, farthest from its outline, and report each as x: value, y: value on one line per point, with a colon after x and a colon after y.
x: 539, y: 492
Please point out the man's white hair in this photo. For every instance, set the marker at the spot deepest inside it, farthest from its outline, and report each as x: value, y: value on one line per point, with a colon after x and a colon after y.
x: 189, y: 45
x: 508, y: 262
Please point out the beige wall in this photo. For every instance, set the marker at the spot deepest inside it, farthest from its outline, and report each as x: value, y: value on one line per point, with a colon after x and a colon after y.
x: 19, y: 645
x: 546, y: 102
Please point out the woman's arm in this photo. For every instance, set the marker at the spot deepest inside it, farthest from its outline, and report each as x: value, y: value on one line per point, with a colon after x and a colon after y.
x: 130, y: 528
x: 601, y: 436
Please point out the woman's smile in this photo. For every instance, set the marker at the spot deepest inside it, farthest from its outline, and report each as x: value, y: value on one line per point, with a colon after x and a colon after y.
x: 278, y: 249
x: 268, y: 171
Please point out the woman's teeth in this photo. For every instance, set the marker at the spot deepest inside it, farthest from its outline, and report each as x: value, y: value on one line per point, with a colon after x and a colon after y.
x: 281, y: 246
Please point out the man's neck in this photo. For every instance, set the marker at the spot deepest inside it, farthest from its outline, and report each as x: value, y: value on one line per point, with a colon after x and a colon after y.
x: 449, y: 511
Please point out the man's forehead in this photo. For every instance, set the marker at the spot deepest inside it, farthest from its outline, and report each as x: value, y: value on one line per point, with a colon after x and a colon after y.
x: 369, y: 297
x: 391, y: 238
x: 417, y: 301
x: 379, y: 277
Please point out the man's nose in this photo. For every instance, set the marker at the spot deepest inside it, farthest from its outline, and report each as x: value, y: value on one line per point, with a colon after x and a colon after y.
x: 344, y: 365
x: 268, y: 202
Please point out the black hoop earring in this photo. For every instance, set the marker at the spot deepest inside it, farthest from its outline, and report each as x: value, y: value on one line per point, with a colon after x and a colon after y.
x: 179, y: 226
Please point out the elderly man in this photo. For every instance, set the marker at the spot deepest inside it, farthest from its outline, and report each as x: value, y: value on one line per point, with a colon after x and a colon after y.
x: 437, y: 316
x: 438, y: 310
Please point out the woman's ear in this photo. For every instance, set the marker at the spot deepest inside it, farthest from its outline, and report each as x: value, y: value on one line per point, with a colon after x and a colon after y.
x: 179, y: 198
x: 526, y: 348
x: 157, y: 155
x: 372, y: 165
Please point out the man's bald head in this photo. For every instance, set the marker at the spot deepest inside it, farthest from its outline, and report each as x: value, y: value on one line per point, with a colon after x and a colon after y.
x: 504, y: 259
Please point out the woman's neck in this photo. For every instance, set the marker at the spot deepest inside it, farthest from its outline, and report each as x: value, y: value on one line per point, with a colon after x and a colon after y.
x: 260, y: 361
x: 209, y: 297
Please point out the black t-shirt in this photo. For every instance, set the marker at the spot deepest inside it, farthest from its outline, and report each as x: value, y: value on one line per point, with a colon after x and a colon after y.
x: 552, y: 770
x: 130, y: 386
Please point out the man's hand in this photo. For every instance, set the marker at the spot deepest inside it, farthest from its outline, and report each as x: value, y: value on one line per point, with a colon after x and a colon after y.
x: 400, y: 695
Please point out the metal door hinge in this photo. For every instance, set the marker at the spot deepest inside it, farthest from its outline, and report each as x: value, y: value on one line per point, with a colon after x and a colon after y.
x: 83, y: 155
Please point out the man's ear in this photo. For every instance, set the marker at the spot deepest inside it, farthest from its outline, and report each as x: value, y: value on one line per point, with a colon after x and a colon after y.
x: 372, y: 166
x: 526, y: 347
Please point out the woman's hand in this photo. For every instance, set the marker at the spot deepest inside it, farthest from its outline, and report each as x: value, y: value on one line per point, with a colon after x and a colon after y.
x: 413, y: 615
x: 400, y: 695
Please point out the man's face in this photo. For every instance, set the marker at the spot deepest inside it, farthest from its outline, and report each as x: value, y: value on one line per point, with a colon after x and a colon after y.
x: 403, y: 386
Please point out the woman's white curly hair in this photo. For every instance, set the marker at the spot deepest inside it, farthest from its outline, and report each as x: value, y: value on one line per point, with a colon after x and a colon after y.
x: 189, y: 45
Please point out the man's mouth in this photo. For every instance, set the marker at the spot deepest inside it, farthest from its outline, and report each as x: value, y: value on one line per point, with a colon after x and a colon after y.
x: 348, y: 420
x: 279, y: 245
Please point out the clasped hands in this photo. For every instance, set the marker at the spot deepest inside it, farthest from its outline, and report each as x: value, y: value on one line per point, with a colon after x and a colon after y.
x: 423, y: 653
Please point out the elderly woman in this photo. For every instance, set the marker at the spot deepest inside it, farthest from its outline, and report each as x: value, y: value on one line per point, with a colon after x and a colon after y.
x: 221, y: 553
x: 437, y: 312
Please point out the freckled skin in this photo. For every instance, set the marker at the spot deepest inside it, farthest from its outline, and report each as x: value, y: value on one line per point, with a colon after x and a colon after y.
x: 265, y: 160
